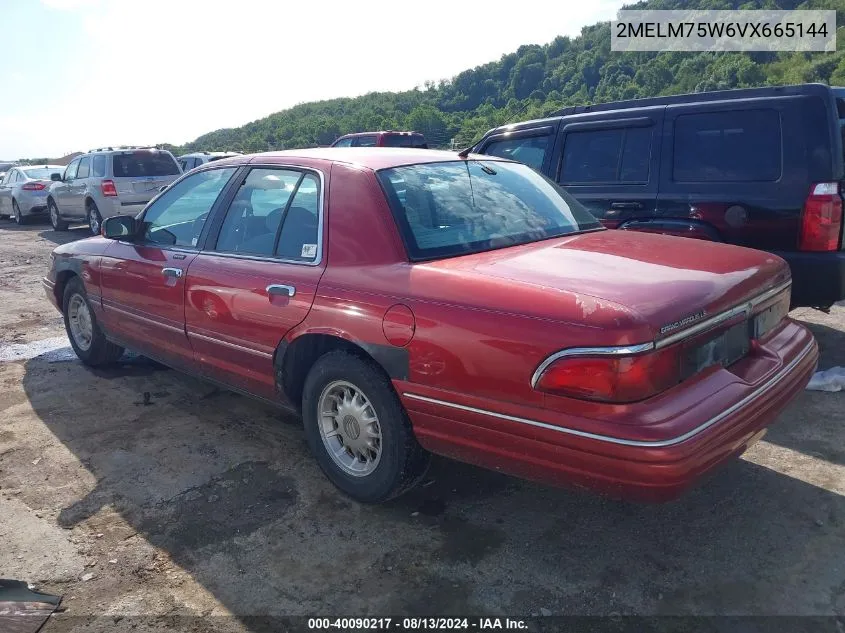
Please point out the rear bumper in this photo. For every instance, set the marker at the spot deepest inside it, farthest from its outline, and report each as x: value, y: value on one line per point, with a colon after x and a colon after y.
x: 818, y: 279
x: 652, y: 468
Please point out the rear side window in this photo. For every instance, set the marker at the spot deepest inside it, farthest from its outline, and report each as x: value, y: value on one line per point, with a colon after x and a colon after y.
x: 621, y: 155
x: 84, y: 168
x: 144, y: 164
x: 530, y: 150
x: 735, y: 146
x: 364, y: 141
x: 405, y: 140
x: 98, y: 166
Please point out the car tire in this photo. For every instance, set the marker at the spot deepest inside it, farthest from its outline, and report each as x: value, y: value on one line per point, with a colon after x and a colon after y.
x: 86, y: 338
x: 394, y: 462
x: 20, y: 218
x: 55, y: 220
x: 95, y: 220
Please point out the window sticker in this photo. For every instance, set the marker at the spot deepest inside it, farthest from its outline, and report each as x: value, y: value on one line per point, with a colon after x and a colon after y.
x: 309, y: 250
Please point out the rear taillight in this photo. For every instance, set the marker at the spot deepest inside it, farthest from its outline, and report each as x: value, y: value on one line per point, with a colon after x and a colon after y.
x: 612, y: 378
x: 821, y: 219
x: 108, y: 188
x: 34, y: 186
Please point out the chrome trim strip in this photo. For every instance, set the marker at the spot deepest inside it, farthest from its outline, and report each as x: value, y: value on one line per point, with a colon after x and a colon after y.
x: 617, y: 440
x: 108, y: 305
x: 240, y: 348
x: 626, y: 350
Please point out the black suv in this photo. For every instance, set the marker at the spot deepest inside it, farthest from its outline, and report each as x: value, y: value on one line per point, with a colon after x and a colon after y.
x: 760, y: 167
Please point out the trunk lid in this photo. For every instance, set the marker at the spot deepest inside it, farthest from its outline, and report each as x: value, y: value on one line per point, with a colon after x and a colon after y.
x: 668, y: 282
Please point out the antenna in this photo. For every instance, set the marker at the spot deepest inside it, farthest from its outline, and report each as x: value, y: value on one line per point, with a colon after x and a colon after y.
x: 465, y: 152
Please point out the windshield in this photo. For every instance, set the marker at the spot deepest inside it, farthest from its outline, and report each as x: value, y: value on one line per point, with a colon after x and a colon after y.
x: 454, y: 208
x: 42, y: 173
x: 144, y: 164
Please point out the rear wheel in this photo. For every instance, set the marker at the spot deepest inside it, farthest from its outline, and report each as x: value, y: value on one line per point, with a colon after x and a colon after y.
x: 95, y: 220
x: 358, y: 430
x: 56, y: 221
x: 87, y: 339
x: 19, y: 217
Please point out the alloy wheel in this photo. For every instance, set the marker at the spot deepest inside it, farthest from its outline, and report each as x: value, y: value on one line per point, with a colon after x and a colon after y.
x: 349, y: 428
x: 80, y: 322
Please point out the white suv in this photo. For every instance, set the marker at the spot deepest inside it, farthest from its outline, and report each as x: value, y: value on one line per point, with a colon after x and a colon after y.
x: 189, y: 161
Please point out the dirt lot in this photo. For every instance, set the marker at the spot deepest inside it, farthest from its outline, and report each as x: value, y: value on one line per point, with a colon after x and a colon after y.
x: 203, y: 502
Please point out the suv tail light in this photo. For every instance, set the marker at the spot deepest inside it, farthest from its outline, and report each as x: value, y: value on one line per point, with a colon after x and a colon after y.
x: 108, y: 188
x: 34, y: 186
x: 821, y: 219
x: 612, y: 378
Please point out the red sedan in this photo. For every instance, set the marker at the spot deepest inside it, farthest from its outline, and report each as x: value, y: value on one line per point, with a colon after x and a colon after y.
x: 409, y: 301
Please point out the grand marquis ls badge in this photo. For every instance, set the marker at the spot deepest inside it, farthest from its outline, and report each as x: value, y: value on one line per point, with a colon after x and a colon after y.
x: 685, y: 321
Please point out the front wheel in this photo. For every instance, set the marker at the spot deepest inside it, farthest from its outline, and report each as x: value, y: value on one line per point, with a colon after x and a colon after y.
x: 20, y: 218
x: 95, y: 220
x: 55, y: 220
x: 87, y: 339
x: 358, y: 430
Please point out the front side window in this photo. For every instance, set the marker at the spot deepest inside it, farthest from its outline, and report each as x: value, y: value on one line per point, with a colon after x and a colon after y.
x: 144, y: 164
x: 369, y: 140
x: 619, y: 155
x: 735, y: 146
x: 84, y: 168
x: 98, y: 166
x: 177, y: 216
x: 344, y: 142
x: 70, y: 172
x: 274, y: 214
x: 454, y: 208
x: 530, y: 150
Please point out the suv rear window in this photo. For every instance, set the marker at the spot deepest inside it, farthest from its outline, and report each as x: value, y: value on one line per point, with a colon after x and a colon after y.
x: 454, y: 208
x: 735, y: 146
x: 405, y: 140
x: 140, y: 164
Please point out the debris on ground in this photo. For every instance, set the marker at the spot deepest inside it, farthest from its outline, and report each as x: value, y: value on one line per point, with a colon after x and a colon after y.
x: 832, y: 379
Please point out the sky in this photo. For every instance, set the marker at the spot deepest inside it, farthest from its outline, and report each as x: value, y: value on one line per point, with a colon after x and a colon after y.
x: 79, y: 74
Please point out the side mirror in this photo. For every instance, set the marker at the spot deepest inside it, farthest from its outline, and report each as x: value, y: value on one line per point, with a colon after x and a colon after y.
x: 56, y: 177
x: 120, y: 227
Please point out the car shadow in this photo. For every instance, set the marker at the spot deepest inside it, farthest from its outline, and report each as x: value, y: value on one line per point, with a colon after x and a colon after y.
x: 63, y: 237
x: 226, y: 487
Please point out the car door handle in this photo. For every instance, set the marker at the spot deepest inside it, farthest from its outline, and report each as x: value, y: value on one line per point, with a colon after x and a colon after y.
x: 626, y: 205
x: 172, y: 272
x: 281, y: 289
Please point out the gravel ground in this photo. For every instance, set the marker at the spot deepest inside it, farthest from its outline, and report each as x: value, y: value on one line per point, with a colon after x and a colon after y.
x: 202, y: 502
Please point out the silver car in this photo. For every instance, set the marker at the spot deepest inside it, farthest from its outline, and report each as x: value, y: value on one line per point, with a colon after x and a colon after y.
x: 188, y: 161
x: 23, y: 191
x: 107, y: 182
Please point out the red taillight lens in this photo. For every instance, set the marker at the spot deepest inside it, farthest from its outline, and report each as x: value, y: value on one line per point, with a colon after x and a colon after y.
x: 34, y: 186
x: 108, y: 188
x: 821, y: 220
x: 612, y: 378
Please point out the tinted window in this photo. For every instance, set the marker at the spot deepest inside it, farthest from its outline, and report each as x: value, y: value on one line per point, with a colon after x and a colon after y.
x: 344, y: 142
x: 253, y: 220
x: 404, y: 140
x: 741, y: 145
x: 144, y: 164
x: 453, y: 208
x: 530, y: 150
x: 41, y: 173
x: 70, y: 172
x: 177, y: 216
x: 187, y: 163
x: 84, y: 168
x: 98, y: 166
x: 364, y: 141
x: 619, y: 155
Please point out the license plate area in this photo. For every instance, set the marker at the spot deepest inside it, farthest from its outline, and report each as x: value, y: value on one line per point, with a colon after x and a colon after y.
x: 726, y: 349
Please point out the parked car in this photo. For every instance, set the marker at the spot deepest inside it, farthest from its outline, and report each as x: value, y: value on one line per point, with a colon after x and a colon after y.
x: 188, y: 161
x: 107, y: 182
x: 760, y: 167
x: 388, y: 138
x: 23, y: 192
x: 413, y: 301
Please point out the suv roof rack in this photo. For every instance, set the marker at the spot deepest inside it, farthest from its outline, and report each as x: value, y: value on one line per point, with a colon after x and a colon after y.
x: 120, y: 147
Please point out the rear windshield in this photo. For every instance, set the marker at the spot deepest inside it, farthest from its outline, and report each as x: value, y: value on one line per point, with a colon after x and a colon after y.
x: 42, y: 173
x: 139, y: 164
x: 405, y: 140
x: 454, y: 208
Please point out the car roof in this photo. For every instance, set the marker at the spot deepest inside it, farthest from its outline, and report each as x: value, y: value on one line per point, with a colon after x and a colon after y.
x: 25, y: 167
x: 195, y: 154
x: 400, y: 132
x: 371, y: 157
